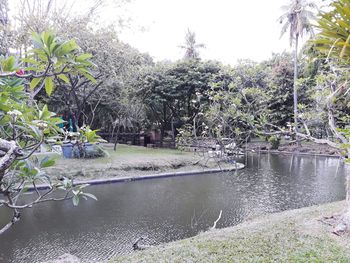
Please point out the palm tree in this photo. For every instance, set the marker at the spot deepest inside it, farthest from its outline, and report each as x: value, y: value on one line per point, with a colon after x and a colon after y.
x: 297, y: 18
x: 190, y: 46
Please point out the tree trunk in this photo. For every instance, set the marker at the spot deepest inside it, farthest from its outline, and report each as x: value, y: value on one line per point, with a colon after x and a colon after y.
x: 295, y: 89
x: 343, y: 225
x: 173, y: 132
x: 116, y: 138
x: 162, y: 132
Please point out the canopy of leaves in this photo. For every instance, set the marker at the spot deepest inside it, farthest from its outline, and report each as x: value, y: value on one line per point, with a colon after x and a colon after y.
x: 334, y: 37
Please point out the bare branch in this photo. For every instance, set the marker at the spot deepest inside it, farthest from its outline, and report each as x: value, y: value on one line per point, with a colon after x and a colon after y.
x: 217, y: 220
x: 15, y: 218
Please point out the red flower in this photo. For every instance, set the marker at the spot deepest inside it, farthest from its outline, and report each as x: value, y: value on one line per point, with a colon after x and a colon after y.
x: 20, y: 72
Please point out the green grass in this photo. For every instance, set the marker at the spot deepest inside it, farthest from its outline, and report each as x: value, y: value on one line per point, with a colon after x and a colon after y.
x: 127, y: 151
x: 123, y: 149
x: 292, y: 236
x: 125, y: 161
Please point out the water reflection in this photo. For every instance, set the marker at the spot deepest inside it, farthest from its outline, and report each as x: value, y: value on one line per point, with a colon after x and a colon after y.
x: 171, y: 208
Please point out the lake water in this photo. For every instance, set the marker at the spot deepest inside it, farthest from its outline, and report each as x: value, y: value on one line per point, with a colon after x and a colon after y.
x: 169, y: 209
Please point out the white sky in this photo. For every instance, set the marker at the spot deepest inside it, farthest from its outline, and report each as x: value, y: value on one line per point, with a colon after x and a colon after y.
x: 230, y: 29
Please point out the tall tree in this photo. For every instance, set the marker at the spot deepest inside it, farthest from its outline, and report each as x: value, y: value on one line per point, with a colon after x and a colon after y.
x: 4, y: 27
x: 117, y: 64
x: 170, y: 92
x: 297, y: 20
x: 191, y: 46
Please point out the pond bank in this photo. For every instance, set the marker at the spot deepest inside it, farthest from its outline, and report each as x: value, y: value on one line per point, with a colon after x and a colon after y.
x: 286, y: 147
x: 290, y: 236
x: 233, y: 167
x: 134, y: 162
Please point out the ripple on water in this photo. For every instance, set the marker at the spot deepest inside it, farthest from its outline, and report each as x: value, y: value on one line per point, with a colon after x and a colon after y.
x: 169, y: 209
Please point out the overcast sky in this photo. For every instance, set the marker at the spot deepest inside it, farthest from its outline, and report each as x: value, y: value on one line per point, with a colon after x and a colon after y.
x: 230, y: 29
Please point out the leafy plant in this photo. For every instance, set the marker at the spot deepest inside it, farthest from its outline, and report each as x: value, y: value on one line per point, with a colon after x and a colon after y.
x: 274, y: 141
x: 24, y: 125
x: 88, y: 135
x: 333, y: 40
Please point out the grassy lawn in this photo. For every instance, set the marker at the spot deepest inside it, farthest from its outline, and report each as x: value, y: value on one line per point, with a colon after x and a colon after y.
x: 125, y: 161
x: 123, y: 150
x: 291, y: 236
x: 138, y: 154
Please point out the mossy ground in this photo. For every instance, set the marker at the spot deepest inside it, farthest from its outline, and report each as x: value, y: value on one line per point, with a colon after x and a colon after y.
x: 290, y: 236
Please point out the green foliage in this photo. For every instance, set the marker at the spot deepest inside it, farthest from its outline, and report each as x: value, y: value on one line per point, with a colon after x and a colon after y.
x: 26, y: 125
x: 7, y: 64
x: 51, y: 57
x: 88, y: 135
x: 345, y: 146
x: 30, y: 169
x: 334, y: 38
x: 237, y: 100
x: 280, y: 91
x: 82, y: 143
x: 78, y: 193
x: 274, y: 141
x: 111, y: 96
x: 19, y: 121
x: 184, y: 139
x: 176, y: 92
x: 49, y: 85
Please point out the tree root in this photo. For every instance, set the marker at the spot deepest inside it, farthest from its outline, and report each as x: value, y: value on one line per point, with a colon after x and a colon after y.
x: 343, y: 224
x: 340, y: 223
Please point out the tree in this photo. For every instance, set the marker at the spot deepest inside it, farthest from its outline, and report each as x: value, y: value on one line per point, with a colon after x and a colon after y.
x: 238, y: 100
x: 333, y: 41
x: 280, y: 79
x: 297, y: 18
x: 174, y: 93
x: 116, y: 66
x: 5, y: 35
x: 116, y: 63
x: 191, y: 47
x: 24, y: 126
x: 44, y: 15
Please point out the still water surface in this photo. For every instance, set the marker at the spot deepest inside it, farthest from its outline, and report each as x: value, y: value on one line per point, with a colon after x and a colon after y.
x: 170, y: 208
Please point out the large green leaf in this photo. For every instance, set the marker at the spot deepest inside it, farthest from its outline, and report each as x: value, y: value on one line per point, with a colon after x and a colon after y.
x: 66, y: 48
x: 88, y: 76
x: 47, y: 162
x: 9, y: 64
x: 75, y: 200
x: 49, y: 85
x: 34, y: 83
x: 64, y: 78
x: 83, y: 57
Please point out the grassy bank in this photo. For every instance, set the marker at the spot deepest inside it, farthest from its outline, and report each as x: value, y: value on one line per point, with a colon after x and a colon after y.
x: 130, y: 161
x: 290, y: 236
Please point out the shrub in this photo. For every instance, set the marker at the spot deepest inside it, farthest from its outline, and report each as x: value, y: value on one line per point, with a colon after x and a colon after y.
x: 275, y: 142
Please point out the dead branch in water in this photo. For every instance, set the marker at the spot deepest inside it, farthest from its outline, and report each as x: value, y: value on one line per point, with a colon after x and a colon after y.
x: 136, y: 246
x: 217, y: 220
